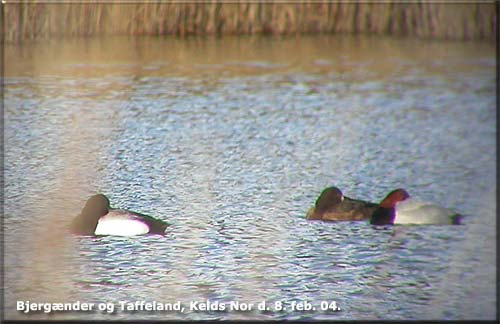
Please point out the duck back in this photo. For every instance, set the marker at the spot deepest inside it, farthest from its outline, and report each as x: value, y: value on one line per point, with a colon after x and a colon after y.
x: 411, y: 211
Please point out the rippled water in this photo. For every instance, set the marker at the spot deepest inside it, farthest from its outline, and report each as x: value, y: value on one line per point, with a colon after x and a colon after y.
x: 230, y: 141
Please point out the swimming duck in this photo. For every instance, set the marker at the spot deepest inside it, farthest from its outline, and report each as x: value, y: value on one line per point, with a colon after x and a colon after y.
x: 399, y: 208
x: 332, y: 205
x: 98, y: 218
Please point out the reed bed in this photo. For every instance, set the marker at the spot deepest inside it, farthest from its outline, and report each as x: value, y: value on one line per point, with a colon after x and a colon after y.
x: 460, y: 21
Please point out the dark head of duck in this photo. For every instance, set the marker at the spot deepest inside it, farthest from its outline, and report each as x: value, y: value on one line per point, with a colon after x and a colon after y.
x: 330, y: 197
x: 385, y: 213
x: 96, y: 207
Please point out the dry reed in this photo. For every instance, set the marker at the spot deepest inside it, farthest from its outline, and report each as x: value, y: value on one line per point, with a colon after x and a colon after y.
x: 461, y: 21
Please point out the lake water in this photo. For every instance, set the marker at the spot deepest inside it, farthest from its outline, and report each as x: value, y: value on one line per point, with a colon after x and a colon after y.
x: 231, y: 140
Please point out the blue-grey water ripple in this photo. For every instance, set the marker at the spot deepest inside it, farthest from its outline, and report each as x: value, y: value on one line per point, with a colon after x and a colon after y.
x: 233, y: 161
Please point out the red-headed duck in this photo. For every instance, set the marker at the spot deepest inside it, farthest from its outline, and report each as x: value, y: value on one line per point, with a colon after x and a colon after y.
x: 98, y: 218
x: 332, y: 205
x: 399, y: 208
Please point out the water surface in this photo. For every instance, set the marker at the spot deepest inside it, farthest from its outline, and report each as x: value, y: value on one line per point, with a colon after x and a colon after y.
x: 230, y: 141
